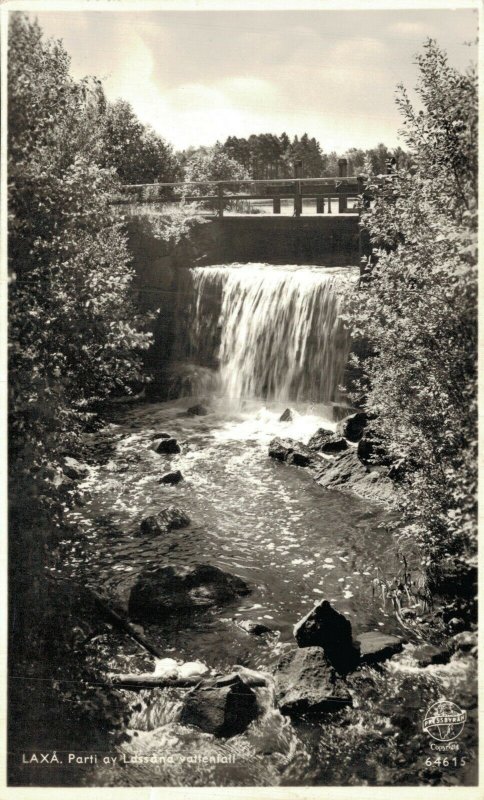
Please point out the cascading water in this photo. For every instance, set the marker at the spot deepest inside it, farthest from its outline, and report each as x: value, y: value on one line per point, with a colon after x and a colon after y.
x: 276, y: 331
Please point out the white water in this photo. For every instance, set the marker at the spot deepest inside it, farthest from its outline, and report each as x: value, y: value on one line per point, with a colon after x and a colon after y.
x: 276, y: 330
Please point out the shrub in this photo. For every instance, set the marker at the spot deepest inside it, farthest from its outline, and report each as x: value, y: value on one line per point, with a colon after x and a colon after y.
x: 416, y: 310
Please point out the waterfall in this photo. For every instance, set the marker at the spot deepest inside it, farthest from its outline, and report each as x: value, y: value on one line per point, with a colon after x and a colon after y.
x: 273, y: 332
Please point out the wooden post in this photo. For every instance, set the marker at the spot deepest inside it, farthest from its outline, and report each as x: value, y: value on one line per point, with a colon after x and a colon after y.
x: 343, y: 167
x: 297, y: 199
x: 320, y: 205
x: 276, y: 205
x: 329, y: 206
x: 220, y: 192
x: 342, y: 204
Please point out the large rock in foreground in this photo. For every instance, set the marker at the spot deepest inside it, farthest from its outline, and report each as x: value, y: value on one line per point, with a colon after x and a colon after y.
x: 291, y: 451
x: 221, y: 710
x: 325, y: 627
x: 171, y: 589
x: 307, y: 683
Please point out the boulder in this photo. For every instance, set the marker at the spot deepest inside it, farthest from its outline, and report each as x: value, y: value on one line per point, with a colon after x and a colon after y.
x: 197, y: 411
x: 290, y: 451
x: 352, y: 427
x: 163, y: 591
x: 162, y: 436
x: 305, y: 682
x: 166, y: 446
x: 375, y: 646
x: 286, y: 416
x: 319, y: 438
x: 171, y: 477
x: 74, y: 469
x: 168, y: 519
x: 334, y: 444
x: 254, y: 628
x: 347, y: 473
x: 221, y: 710
x: 325, y: 627
x: 427, y: 654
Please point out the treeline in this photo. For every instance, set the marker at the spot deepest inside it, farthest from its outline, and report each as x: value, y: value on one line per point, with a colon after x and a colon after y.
x: 265, y: 156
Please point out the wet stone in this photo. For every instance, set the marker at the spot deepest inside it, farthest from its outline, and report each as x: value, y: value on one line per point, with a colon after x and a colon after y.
x: 319, y: 438
x: 254, y: 628
x: 290, y: 451
x: 171, y: 477
x: 352, y: 427
x: 169, y: 446
x: 197, y: 410
x: 307, y: 683
x: 325, y: 627
x: 168, y: 519
x: 427, y: 654
x: 162, y: 591
x: 162, y: 436
x: 223, y: 711
x: 286, y: 416
x: 74, y: 469
x: 375, y: 646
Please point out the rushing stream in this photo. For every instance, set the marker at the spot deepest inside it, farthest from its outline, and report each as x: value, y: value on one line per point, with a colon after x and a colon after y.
x: 274, y: 340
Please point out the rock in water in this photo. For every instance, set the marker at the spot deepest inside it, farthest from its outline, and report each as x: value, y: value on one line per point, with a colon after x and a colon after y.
x: 163, y: 591
x: 318, y: 439
x: 325, y: 627
x: 286, y: 416
x: 166, y: 446
x: 168, y: 519
x: 74, y: 469
x: 334, y: 444
x: 306, y: 682
x: 352, y: 427
x: 162, y: 436
x: 290, y: 451
x: 427, y: 654
x: 375, y: 646
x: 197, y: 410
x: 254, y: 628
x: 171, y: 477
x: 221, y: 710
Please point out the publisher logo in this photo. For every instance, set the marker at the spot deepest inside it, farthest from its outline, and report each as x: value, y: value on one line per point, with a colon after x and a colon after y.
x: 444, y: 721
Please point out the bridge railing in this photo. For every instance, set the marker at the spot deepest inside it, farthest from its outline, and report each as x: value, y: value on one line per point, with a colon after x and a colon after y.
x: 221, y: 196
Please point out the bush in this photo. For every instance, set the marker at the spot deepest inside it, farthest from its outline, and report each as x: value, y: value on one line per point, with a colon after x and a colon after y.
x: 416, y: 311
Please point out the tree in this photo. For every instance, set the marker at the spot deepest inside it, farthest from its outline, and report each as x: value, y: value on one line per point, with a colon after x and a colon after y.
x: 74, y: 332
x: 214, y: 165
x: 416, y: 310
x: 134, y: 150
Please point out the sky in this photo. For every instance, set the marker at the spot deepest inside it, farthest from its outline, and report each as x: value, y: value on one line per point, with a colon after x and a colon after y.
x: 200, y: 76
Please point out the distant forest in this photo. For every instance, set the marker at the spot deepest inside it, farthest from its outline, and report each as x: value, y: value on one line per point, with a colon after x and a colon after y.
x: 266, y: 156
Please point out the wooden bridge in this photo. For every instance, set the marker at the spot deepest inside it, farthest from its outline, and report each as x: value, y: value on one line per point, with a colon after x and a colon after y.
x: 328, y: 195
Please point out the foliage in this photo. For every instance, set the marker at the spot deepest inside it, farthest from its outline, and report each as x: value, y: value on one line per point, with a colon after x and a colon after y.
x: 212, y: 165
x: 73, y: 327
x: 416, y: 311
x: 134, y: 150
